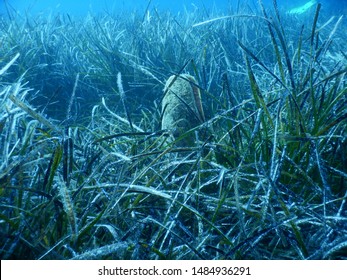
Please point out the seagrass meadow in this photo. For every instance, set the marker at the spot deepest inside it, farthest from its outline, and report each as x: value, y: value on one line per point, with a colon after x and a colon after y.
x: 86, y: 172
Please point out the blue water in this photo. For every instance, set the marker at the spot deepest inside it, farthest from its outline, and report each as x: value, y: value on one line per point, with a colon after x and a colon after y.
x: 83, y: 7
